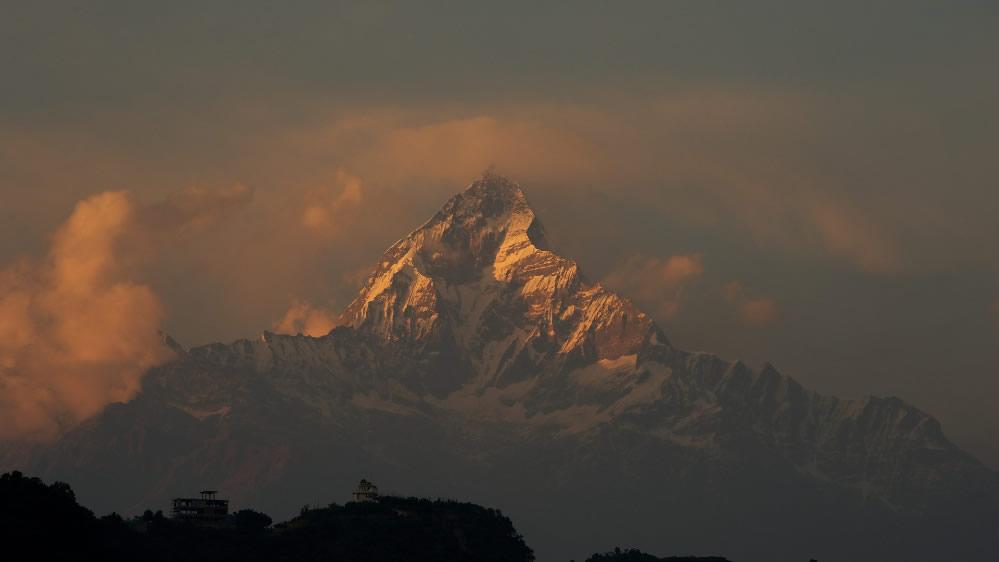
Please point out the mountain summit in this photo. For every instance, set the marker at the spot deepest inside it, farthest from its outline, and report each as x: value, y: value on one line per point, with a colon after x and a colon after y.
x: 478, y: 280
x: 477, y: 363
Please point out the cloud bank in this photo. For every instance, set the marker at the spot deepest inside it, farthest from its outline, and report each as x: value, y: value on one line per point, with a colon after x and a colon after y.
x: 75, y: 331
x: 304, y: 318
x: 656, y: 281
x: 330, y: 208
x: 752, y: 311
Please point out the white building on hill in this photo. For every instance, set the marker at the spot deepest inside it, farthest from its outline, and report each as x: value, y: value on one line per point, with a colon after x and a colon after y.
x: 366, y: 492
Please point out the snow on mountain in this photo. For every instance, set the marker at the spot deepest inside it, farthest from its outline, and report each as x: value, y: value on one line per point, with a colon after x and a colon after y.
x: 474, y: 348
x: 472, y: 315
x: 478, y: 277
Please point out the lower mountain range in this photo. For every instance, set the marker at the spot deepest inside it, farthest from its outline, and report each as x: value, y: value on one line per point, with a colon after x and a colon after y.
x: 477, y: 362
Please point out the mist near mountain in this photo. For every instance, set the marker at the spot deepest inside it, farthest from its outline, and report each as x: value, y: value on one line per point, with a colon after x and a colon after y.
x: 478, y: 363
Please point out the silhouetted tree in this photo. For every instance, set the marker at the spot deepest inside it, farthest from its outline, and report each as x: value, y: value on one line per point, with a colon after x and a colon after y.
x: 249, y: 521
x: 46, y: 520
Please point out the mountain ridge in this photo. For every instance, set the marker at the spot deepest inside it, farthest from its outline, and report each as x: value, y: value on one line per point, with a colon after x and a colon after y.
x: 473, y: 353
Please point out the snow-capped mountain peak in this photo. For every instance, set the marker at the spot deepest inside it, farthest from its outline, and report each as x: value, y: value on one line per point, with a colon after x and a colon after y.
x: 479, y: 277
x: 474, y: 354
x: 484, y: 230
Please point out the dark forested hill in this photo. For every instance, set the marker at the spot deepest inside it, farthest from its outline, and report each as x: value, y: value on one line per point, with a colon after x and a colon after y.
x: 46, y: 521
x: 635, y: 555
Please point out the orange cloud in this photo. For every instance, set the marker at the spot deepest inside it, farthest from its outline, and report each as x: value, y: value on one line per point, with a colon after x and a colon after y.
x: 303, y: 318
x: 733, y: 290
x: 462, y: 148
x: 656, y: 281
x: 845, y: 235
x: 372, y: 170
x: 757, y: 311
x: 75, y: 332
x: 393, y: 147
x: 195, y: 207
x: 356, y: 278
x: 686, y: 153
x: 329, y: 208
x: 778, y: 204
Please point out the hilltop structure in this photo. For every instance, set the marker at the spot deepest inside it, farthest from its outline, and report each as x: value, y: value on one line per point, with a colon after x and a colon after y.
x: 365, y: 492
x: 205, y: 509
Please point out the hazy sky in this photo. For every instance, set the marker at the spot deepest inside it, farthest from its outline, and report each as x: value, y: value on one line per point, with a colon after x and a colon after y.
x: 809, y: 184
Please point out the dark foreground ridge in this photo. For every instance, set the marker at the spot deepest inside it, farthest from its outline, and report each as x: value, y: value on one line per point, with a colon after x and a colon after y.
x: 635, y: 555
x: 47, y: 521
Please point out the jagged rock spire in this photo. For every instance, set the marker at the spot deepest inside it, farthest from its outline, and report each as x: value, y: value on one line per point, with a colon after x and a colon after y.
x: 478, y: 279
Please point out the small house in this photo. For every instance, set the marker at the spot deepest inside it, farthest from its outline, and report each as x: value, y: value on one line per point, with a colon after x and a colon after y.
x: 207, y: 508
x: 366, y: 492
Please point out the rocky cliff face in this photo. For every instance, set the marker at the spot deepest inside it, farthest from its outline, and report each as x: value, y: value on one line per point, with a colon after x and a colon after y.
x: 476, y: 361
x: 479, y: 280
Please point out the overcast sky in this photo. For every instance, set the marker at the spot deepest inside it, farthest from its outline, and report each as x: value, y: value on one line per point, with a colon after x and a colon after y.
x: 813, y: 185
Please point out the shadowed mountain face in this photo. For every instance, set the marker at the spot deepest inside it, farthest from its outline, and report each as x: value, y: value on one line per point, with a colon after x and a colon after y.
x: 475, y: 363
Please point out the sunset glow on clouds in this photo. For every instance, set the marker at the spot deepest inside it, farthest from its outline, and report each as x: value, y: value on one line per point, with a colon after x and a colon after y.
x: 757, y: 311
x: 650, y: 279
x: 75, y: 331
x: 267, y: 157
x: 330, y: 208
x: 351, y: 179
x: 304, y: 318
x: 195, y: 207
